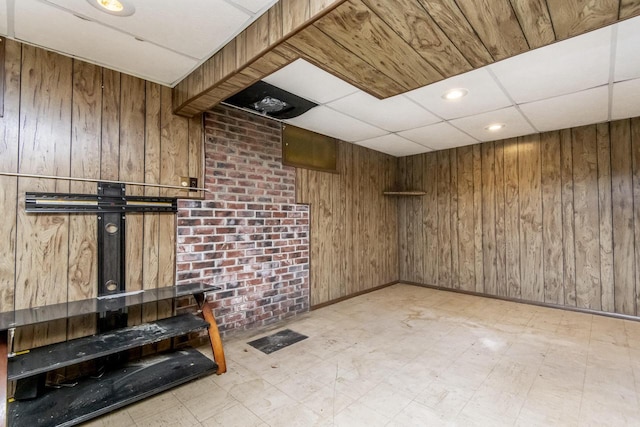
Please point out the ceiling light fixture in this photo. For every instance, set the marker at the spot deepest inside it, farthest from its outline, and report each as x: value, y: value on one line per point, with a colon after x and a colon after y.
x: 495, y: 127
x: 113, y: 7
x: 453, y: 94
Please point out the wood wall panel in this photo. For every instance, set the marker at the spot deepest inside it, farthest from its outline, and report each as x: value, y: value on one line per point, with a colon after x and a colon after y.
x: 444, y: 218
x: 68, y: 118
x: 501, y: 267
x: 430, y: 218
x: 559, y: 207
x: 623, y: 221
x: 606, y: 220
x: 351, y: 216
x: 568, y: 225
x: 552, y: 218
x: 466, y: 233
x: 512, y: 219
x: 9, y: 131
x: 635, y: 148
x: 530, y: 197
x: 587, y: 222
x: 488, y: 187
x: 477, y: 216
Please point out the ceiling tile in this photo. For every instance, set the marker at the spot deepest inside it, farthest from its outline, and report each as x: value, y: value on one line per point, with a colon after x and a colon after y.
x: 627, y: 47
x: 515, y: 124
x: 438, y: 136
x: 254, y: 6
x: 3, y: 17
x: 484, y: 95
x: 625, y: 99
x: 576, y: 109
x: 191, y: 27
x: 337, y: 125
x: 564, y: 67
x: 310, y: 82
x: 394, y: 145
x: 44, y: 25
x: 393, y: 114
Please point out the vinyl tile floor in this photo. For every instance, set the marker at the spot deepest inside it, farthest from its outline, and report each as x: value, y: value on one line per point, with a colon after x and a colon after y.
x: 412, y: 356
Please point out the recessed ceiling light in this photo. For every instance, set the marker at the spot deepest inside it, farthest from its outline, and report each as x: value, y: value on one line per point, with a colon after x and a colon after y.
x: 114, y: 7
x: 495, y: 127
x: 453, y: 94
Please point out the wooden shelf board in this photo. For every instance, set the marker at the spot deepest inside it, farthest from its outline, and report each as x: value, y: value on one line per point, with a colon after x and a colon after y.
x: 405, y: 193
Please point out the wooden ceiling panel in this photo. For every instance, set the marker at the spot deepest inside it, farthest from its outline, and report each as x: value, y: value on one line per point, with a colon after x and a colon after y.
x: 629, y: 8
x: 452, y: 21
x: 535, y: 21
x: 573, y: 17
x: 319, y: 49
x: 354, y: 26
x: 497, y: 25
x: 389, y: 47
x: 409, y: 19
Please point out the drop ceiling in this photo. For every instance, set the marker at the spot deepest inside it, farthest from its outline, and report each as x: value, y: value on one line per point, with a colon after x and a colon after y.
x: 163, y: 41
x: 583, y: 80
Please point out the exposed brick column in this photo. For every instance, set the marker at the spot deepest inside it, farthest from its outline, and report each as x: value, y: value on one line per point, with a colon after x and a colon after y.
x: 248, y: 236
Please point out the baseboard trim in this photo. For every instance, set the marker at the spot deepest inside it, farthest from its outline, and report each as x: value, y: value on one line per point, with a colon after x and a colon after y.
x: 536, y: 303
x: 357, y: 294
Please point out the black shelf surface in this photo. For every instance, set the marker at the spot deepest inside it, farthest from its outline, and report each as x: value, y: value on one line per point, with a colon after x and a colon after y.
x: 93, y: 397
x: 47, y: 313
x: 44, y: 359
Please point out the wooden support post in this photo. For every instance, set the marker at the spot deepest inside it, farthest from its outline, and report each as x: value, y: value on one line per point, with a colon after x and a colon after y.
x: 214, y: 334
x: 3, y: 378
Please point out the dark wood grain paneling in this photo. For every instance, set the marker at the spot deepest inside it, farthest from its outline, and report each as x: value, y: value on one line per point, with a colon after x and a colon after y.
x: 354, y: 199
x: 629, y: 8
x: 606, y: 225
x: 501, y: 268
x: 85, y: 142
x: 466, y: 232
x: 449, y: 17
x: 557, y: 207
x: 552, y: 218
x: 69, y: 118
x: 512, y: 219
x: 444, y: 218
x: 45, y: 130
x: 9, y: 131
x: 635, y: 147
x: 360, y: 31
x: 568, y: 223
x: 623, y: 221
x: 489, y: 253
x: 573, y: 17
x: 477, y: 217
x: 497, y: 25
x: 419, y: 30
x: 533, y: 16
x: 530, y: 197
x: 455, y: 257
x: 430, y: 210
x: 587, y: 222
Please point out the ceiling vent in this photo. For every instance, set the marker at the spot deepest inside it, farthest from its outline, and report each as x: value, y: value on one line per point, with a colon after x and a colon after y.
x: 270, y: 101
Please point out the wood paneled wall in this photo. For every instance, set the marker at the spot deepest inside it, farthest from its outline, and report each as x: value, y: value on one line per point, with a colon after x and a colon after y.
x: 353, y: 230
x: 70, y: 118
x: 547, y: 218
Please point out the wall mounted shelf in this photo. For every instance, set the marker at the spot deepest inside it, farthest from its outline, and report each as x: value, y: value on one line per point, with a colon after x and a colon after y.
x: 405, y: 193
